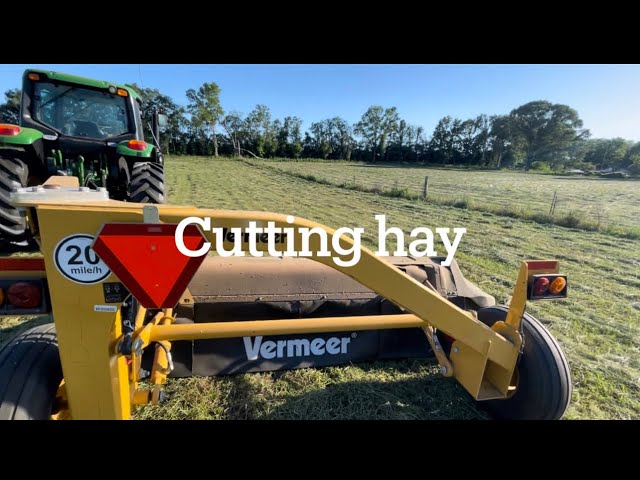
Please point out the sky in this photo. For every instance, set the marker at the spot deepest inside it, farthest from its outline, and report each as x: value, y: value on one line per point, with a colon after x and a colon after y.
x: 607, y: 97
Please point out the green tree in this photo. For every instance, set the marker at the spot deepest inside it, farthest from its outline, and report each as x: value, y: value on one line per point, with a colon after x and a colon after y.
x: 608, y: 153
x: 469, y: 142
x: 446, y: 140
x: 342, y: 138
x: 481, y: 140
x: 233, y: 124
x: 502, y: 143
x: 545, y: 130
x: 205, y: 109
x: 633, y: 159
x: 576, y: 155
x: 10, y: 109
x: 370, y: 129
x: 257, y: 128
x: 321, y: 137
x: 419, y: 143
x: 400, y: 140
x: 289, y: 137
x: 295, y: 136
x: 171, y: 138
x: 283, y: 138
x: 375, y: 127
x: 389, y: 127
x: 271, y: 138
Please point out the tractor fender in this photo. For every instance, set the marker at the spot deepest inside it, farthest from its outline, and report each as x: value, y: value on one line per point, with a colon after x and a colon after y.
x: 26, y: 136
x: 123, y: 149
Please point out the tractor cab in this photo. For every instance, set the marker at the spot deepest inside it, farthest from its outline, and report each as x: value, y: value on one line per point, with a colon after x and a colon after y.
x: 68, y: 107
x: 78, y: 127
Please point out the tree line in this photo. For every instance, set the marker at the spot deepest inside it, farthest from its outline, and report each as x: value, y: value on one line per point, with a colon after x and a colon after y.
x: 536, y: 135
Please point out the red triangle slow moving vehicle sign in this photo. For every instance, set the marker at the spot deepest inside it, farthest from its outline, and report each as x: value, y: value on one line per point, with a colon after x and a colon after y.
x: 147, y: 261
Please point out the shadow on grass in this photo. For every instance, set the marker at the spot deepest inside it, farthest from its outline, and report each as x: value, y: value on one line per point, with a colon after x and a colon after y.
x: 428, y: 396
x: 384, y: 390
x: 400, y: 400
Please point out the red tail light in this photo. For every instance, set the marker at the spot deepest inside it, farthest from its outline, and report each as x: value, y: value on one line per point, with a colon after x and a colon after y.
x: 547, y: 286
x: 20, y: 294
x: 541, y: 286
x: 24, y: 295
x: 9, y: 130
x: 138, y: 145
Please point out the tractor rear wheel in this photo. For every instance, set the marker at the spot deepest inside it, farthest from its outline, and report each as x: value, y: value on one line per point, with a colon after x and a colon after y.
x: 30, y: 375
x: 544, y: 381
x: 13, y: 174
x: 147, y: 183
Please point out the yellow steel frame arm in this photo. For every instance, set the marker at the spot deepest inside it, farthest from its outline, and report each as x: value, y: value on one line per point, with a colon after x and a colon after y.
x: 96, y: 376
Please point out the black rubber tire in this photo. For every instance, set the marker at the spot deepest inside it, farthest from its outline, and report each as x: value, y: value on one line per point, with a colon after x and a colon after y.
x: 30, y: 374
x: 544, y: 378
x: 147, y: 183
x: 13, y: 174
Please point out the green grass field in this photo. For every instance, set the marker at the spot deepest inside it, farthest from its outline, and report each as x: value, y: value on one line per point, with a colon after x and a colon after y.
x: 605, y: 203
x: 598, y: 326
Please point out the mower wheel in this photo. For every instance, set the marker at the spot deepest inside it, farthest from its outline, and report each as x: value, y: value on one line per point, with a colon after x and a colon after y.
x: 147, y: 183
x: 544, y: 381
x: 13, y: 174
x: 30, y: 374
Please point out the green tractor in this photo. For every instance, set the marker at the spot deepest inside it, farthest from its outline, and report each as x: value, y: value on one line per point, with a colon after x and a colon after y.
x: 79, y: 127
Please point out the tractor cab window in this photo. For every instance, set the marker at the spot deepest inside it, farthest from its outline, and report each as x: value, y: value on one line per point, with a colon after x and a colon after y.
x: 80, y: 112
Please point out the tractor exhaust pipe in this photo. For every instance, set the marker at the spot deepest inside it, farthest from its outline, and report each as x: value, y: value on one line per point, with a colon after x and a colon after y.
x: 155, y: 127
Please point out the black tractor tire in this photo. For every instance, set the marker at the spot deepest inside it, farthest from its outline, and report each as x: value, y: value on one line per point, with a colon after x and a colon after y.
x: 30, y: 375
x: 14, y: 174
x: 544, y: 380
x: 147, y: 183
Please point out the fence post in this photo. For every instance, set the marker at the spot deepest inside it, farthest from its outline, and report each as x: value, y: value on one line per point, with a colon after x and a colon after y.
x: 425, y: 188
x: 552, y: 210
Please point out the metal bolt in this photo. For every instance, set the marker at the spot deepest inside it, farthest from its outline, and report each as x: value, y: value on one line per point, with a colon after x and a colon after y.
x: 455, y: 350
x: 137, y: 346
x: 443, y: 370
